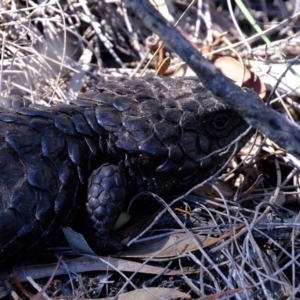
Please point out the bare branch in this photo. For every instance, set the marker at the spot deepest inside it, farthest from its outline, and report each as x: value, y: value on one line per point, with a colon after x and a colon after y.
x: 273, y: 124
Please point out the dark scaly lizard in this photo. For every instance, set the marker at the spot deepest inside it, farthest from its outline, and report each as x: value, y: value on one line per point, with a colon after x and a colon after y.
x: 148, y: 134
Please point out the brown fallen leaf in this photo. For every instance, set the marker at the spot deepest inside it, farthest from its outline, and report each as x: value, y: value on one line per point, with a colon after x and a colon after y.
x: 240, y: 74
x: 162, y: 68
x: 151, y: 294
x: 87, y: 264
x: 168, y: 246
x: 224, y: 293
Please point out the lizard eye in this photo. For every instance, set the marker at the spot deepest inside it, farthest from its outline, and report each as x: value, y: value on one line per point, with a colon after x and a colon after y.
x: 221, y: 121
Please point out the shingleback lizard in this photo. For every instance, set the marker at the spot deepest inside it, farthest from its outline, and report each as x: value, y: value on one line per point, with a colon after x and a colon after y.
x: 116, y: 140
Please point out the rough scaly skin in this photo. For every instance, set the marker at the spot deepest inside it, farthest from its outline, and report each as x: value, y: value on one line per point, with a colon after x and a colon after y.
x: 133, y: 135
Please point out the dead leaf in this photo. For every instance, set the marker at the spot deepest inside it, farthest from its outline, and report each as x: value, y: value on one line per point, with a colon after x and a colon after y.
x: 227, y: 190
x: 224, y: 293
x: 168, y: 246
x: 270, y: 73
x: 87, y: 264
x: 77, y: 242
x: 232, y: 69
x: 163, y: 67
x: 183, y: 70
x: 240, y: 74
x: 162, y: 7
x: 151, y: 294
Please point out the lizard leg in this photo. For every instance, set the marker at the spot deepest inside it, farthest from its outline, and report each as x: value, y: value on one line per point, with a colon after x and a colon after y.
x: 106, y: 195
